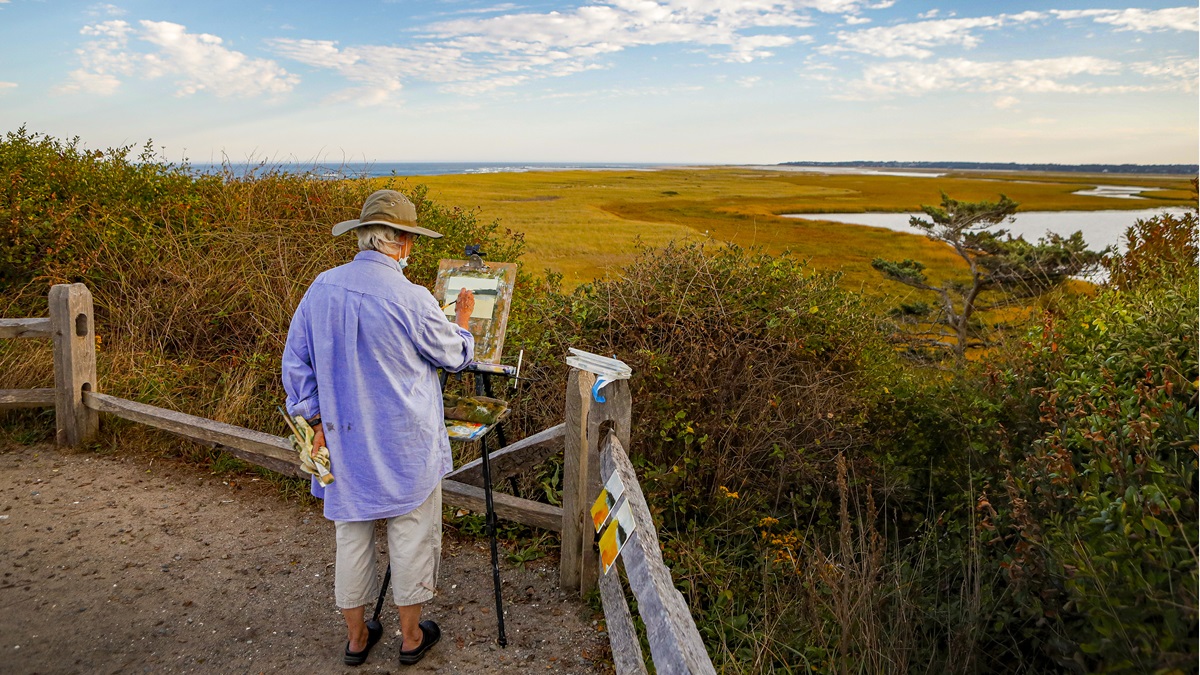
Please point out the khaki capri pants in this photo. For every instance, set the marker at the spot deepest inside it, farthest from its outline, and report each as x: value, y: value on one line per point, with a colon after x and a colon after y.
x: 414, y: 549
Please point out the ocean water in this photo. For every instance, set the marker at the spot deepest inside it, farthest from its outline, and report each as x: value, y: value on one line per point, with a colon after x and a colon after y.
x: 405, y: 169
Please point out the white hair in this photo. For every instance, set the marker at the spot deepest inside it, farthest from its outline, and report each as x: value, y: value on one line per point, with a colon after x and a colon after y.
x: 386, y: 240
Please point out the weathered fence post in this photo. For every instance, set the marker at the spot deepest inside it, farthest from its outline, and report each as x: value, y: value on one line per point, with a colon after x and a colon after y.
x: 73, y: 330
x: 617, y: 409
x: 578, y: 566
x: 579, y: 383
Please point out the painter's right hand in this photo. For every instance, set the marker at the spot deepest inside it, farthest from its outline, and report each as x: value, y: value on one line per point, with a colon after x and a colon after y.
x: 319, y: 437
x: 463, y: 306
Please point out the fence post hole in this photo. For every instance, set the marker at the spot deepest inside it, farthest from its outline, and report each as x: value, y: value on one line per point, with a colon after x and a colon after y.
x: 73, y: 330
x: 616, y: 409
x: 579, y: 385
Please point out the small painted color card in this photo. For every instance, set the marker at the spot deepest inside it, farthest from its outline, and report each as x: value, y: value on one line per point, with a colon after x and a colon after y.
x: 619, y: 530
x: 609, y: 496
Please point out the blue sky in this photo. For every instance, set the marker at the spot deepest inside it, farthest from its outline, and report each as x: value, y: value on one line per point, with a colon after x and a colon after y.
x: 698, y: 81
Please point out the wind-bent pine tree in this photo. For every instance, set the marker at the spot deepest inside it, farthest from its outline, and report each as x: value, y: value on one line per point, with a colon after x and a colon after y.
x: 997, y: 262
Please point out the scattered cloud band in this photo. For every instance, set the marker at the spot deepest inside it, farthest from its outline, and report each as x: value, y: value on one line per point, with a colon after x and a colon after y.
x: 198, y: 62
x: 1057, y: 75
x: 486, y: 49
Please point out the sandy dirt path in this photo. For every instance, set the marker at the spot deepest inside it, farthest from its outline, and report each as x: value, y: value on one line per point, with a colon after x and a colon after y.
x: 124, y: 565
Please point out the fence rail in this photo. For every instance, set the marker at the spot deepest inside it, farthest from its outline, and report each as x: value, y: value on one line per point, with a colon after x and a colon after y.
x: 675, y: 644
x: 26, y: 398
x: 25, y: 328
x: 593, y: 439
x: 272, y: 452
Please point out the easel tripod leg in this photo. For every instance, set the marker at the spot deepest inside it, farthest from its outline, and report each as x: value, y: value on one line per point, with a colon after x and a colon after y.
x: 387, y: 577
x: 490, y: 517
x: 487, y: 391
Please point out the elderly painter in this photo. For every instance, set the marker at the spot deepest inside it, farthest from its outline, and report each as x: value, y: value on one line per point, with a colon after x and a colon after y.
x: 360, y: 365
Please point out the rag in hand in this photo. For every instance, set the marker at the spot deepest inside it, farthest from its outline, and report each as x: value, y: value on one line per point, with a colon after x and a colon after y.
x: 313, y: 461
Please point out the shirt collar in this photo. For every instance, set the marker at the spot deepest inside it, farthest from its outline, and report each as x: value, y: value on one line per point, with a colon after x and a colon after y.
x: 377, y: 257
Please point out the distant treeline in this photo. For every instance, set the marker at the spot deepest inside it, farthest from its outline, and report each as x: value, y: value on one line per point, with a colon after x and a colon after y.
x: 1185, y: 169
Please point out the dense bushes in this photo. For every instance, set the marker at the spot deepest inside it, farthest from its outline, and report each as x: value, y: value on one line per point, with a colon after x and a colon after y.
x: 1091, y: 506
x: 826, y: 508
x: 753, y: 377
x: 60, y: 204
x: 748, y: 369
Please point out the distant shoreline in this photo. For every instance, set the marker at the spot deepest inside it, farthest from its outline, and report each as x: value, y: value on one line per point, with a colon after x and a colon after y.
x: 1157, y: 169
x: 410, y: 169
x: 416, y: 169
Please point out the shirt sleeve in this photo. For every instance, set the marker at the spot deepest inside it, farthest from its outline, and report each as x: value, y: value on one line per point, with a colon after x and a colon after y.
x: 299, y: 375
x: 442, y: 342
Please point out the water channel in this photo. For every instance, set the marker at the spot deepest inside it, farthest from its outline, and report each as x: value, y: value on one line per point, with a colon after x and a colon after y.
x: 1100, y: 228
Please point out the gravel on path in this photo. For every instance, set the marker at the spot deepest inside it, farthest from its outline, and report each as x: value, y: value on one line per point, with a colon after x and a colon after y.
x: 121, y: 564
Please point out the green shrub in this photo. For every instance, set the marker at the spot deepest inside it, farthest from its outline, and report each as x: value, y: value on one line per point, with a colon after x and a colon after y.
x: 1093, y: 511
x: 751, y: 371
x: 61, y: 204
x: 1161, y: 247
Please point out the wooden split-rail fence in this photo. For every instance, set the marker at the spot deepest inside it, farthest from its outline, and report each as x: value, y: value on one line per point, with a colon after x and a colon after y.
x: 593, y: 439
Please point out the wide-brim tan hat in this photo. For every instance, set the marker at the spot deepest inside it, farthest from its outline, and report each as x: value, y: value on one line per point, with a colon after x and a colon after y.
x: 387, y: 207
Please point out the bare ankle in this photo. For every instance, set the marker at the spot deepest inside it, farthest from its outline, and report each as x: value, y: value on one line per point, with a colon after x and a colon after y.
x: 358, y: 638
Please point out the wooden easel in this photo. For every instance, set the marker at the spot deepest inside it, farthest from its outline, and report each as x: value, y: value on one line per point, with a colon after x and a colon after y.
x: 496, y: 280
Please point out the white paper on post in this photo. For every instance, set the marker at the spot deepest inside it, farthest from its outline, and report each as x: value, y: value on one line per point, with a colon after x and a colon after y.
x: 606, y: 369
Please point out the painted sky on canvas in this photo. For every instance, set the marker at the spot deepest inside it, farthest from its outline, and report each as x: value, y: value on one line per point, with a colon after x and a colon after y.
x: 698, y: 81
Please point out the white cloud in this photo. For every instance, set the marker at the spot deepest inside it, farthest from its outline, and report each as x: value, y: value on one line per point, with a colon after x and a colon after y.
x: 918, y: 39
x: 103, y: 60
x: 930, y: 14
x: 749, y: 81
x: 1062, y: 75
x: 495, y: 9
x: 1181, y: 70
x: 197, y: 61
x: 621, y: 24
x: 1006, y: 102
x: 856, y: 20
x: 201, y: 63
x: 475, y: 54
x: 756, y: 47
x: 4, y: 86
x: 104, y: 9
x: 377, y: 71
x: 1071, y: 74
x: 1140, y: 20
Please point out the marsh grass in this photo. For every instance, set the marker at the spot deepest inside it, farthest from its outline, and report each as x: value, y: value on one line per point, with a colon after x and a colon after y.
x: 589, y: 225
x: 585, y: 224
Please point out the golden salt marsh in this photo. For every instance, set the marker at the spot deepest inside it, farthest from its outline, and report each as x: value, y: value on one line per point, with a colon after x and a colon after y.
x: 585, y: 223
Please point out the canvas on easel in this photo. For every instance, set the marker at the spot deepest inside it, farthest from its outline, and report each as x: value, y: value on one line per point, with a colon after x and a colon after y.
x: 492, y: 283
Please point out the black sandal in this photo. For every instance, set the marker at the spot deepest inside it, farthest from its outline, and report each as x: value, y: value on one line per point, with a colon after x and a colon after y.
x: 374, y: 632
x: 431, y: 634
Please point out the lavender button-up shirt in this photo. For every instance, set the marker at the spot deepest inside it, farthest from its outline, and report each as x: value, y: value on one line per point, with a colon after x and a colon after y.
x: 362, y: 352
